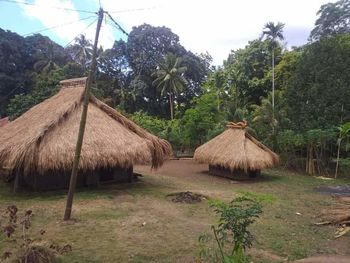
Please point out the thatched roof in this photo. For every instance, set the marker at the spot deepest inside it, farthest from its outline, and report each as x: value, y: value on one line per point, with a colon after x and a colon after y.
x: 236, y: 149
x: 44, y: 138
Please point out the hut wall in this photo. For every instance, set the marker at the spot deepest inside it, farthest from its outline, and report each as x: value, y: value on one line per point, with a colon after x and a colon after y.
x: 54, y: 180
x: 236, y: 174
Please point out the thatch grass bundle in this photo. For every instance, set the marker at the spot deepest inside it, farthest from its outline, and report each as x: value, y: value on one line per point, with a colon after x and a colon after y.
x: 235, y: 149
x: 44, y: 138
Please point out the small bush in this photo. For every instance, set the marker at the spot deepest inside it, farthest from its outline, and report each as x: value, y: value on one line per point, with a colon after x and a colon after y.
x: 230, y: 237
x: 21, y: 247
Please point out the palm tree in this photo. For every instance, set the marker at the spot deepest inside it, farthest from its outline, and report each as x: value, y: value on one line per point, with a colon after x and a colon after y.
x: 266, y: 120
x: 263, y: 115
x: 170, y: 79
x: 344, y: 131
x: 46, y: 64
x: 81, y: 50
x: 273, y: 33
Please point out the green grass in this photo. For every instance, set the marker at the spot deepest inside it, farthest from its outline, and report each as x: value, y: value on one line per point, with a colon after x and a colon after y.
x: 109, y: 219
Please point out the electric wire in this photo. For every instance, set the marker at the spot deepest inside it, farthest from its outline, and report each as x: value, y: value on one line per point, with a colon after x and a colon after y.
x: 133, y: 10
x: 57, y: 26
x: 116, y: 23
x: 54, y: 7
x: 81, y: 33
x: 117, y: 26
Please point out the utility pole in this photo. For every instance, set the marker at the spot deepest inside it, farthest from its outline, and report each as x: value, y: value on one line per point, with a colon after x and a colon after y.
x: 74, y: 174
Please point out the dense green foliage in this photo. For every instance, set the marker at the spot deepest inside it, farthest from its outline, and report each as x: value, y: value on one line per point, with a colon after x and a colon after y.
x: 319, y: 90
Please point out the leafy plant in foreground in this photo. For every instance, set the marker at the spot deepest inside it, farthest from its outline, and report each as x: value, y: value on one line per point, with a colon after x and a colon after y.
x: 231, y: 236
x: 20, y: 246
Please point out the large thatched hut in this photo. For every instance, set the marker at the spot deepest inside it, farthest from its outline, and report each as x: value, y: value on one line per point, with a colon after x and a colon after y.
x: 38, y: 147
x: 235, y: 153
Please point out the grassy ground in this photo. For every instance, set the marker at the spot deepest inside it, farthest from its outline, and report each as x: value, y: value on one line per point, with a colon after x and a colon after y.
x: 137, y: 223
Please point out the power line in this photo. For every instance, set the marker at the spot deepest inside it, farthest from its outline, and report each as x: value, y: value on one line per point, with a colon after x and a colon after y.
x: 109, y: 22
x: 82, y: 32
x: 118, y: 26
x: 55, y: 7
x: 61, y: 25
x: 133, y: 10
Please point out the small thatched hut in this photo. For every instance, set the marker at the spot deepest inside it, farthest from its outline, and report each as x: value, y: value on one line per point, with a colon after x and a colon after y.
x: 38, y: 147
x: 235, y: 153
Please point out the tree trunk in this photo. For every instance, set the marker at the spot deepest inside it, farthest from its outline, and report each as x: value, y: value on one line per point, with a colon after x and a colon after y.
x: 73, y: 178
x: 337, y: 164
x: 273, y: 93
x: 273, y: 82
x: 171, y: 105
x: 310, y: 166
x: 339, y: 142
x: 218, y: 96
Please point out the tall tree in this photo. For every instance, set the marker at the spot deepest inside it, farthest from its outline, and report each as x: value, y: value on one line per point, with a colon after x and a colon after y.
x: 248, y: 69
x: 114, y: 75
x: 81, y: 50
x: 145, y: 49
x: 334, y: 18
x: 319, y: 87
x: 48, y: 62
x: 273, y: 33
x: 44, y: 54
x: 170, y: 79
x: 13, y: 65
x: 21, y: 60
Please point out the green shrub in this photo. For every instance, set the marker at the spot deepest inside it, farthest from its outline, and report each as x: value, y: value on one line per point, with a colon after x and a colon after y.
x: 231, y: 236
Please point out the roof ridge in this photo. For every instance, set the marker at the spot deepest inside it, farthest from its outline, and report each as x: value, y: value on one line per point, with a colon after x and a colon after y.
x: 71, y: 83
x: 237, y: 125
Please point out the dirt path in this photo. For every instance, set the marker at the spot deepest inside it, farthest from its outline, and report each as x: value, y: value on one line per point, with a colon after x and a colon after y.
x: 184, y: 168
x: 325, y: 259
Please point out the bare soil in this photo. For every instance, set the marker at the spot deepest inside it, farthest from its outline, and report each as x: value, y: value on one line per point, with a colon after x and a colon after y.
x: 186, y: 197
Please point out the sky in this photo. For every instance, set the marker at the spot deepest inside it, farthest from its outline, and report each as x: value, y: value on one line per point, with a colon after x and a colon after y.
x: 216, y: 27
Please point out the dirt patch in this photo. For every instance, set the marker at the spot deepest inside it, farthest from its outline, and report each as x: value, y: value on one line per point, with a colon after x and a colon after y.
x: 325, y: 259
x: 186, y: 197
x: 123, y: 197
x: 264, y: 255
x: 343, y: 190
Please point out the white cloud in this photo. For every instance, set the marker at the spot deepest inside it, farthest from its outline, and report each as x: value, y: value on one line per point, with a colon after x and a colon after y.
x: 221, y: 25
x: 213, y: 26
x: 50, y: 17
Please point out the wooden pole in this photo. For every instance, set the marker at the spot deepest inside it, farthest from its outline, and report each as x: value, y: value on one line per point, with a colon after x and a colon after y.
x: 74, y: 174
